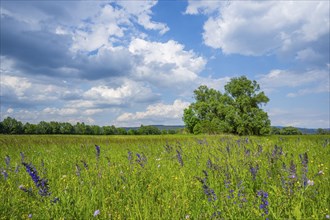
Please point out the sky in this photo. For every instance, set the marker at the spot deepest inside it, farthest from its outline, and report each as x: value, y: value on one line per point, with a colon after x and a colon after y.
x: 127, y: 63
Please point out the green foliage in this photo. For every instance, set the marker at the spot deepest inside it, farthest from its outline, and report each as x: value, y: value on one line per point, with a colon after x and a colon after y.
x: 237, y: 111
x: 290, y: 131
x: 141, y: 177
x: 148, y: 130
x: 11, y: 126
x: 323, y: 131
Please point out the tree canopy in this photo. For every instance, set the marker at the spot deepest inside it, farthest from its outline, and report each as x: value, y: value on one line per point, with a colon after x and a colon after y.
x: 236, y: 111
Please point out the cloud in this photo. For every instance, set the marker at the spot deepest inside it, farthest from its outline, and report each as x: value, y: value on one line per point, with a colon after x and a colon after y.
x: 60, y: 111
x: 165, y: 64
x: 293, y: 117
x: 141, y: 11
x: 14, y: 85
x: 312, y: 81
x: 203, y: 7
x: 258, y: 28
x: 128, y: 93
x: 156, y: 113
x: 54, y: 44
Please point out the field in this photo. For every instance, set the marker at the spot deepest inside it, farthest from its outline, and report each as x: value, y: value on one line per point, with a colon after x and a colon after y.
x: 164, y: 177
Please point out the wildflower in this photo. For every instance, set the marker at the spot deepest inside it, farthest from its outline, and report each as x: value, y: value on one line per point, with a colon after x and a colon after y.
x: 85, y: 164
x: 168, y: 148
x: 264, y: 202
x: 259, y: 149
x: 96, y: 213
x: 292, y: 170
x: 247, y: 152
x: 21, y: 187
x: 17, y: 168
x: 30, y: 216
x: 216, y: 214
x: 41, y: 183
x: 179, y: 157
x: 321, y: 172
x: 22, y: 156
x: 130, y: 157
x: 55, y: 200
x: 209, y: 163
x: 141, y: 159
x: 327, y: 216
x: 205, y: 173
x: 310, y: 182
x: 5, y: 174
x: 97, y: 148
x: 304, y: 161
x: 211, y: 196
x: 254, y: 171
x: 7, y: 160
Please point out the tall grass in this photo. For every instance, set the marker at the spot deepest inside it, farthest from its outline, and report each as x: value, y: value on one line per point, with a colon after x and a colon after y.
x: 164, y: 177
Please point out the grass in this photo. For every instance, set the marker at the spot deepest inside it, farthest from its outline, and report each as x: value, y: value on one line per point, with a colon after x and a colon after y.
x: 141, y: 177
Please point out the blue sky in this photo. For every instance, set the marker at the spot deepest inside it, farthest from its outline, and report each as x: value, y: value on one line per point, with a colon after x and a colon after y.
x: 127, y: 63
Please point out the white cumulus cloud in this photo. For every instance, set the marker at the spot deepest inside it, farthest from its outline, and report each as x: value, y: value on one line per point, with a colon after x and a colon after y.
x: 165, y: 64
x: 262, y: 27
x: 155, y: 113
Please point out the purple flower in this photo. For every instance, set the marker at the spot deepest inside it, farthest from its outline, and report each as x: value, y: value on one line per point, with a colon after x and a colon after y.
x: 211, y: 196
x: 5, y: 174
x: 7, y: 160
x: 264, y: 202
x: 85, y: 164
x: 96, y: 213
x: 141, y: 159
x: 55, y: 200
x: 41, y: 183
x: 22, y: 156
x: 304, y: 161
x: 254, y: 171
x: 130, y: 157
x: 97, y: 148
x: 179, y: 157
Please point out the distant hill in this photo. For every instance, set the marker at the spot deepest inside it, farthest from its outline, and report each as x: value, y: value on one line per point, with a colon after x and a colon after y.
x: 176, y: 127
x: 305, y: 130
x: 160, y: 127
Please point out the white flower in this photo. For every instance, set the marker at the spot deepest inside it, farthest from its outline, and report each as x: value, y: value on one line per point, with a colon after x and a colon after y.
x: 310, y: 182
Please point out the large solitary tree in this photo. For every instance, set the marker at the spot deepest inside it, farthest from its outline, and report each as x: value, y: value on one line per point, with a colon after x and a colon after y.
x: 237, y: 111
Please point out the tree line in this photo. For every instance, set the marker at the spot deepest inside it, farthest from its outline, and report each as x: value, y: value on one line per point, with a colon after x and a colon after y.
x: 12, y: 126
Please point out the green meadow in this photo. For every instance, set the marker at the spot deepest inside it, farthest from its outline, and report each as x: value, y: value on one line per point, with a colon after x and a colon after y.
x: 164, y: 177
